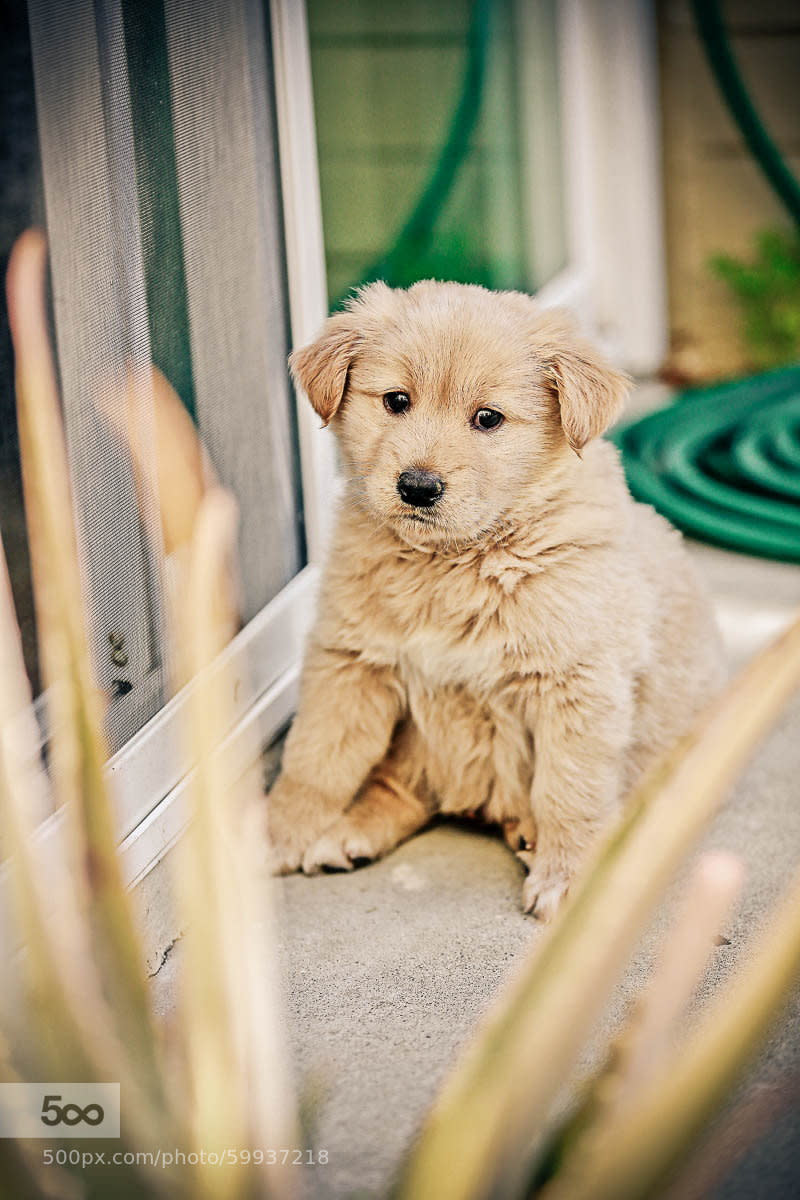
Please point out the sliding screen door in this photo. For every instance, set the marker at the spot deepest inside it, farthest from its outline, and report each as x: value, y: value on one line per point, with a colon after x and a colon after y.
x: 172, y: 223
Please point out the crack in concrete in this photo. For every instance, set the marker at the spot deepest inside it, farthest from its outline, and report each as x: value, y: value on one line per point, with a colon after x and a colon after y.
x: 165, y: 956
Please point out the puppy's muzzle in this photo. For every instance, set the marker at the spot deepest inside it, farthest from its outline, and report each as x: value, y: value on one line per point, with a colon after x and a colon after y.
x: 420, y: 488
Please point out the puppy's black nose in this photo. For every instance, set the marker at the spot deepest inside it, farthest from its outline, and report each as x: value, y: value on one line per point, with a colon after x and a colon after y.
x: 420, y: 488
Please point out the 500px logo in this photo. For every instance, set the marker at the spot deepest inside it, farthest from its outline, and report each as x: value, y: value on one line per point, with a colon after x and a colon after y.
x: 70, y: 1114
x: 59, y: 1110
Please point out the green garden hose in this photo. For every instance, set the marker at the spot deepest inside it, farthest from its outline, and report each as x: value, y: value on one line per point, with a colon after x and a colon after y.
x: 411, y: 242
x: 711, y: 28
x: 723, y: 463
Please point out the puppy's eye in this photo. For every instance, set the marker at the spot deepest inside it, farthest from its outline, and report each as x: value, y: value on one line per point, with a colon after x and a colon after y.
x: 487, y: 418
x: 396, y: 402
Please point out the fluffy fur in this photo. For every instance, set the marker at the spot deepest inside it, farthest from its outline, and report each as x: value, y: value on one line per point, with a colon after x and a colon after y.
x: 524, y: 648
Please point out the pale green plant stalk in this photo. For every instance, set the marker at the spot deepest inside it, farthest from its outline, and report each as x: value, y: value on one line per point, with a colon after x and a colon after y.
x: 236, y: 1069
x: 628, y: 1155
x: 222, y: 1084
x: 206, y: 1007
x: 66, y: 1006
x: 64, y: 985
x: 73, y: 1029
x: 640, y: 1050
x: 79, y: 751
x: 495, y: 1110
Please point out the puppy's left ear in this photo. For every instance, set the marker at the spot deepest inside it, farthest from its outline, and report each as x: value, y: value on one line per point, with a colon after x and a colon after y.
x: 321, y: 368
x: 591, y: 393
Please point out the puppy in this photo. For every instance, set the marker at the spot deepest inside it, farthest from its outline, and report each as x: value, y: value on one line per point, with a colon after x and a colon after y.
x: 501, y: 629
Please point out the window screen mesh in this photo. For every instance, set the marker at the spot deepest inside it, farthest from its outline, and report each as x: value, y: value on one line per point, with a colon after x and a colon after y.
x: 20, y: 206
x: 162, y: 204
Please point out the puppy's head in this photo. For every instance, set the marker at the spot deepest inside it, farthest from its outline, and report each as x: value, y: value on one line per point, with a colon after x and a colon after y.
x: 454, y: 405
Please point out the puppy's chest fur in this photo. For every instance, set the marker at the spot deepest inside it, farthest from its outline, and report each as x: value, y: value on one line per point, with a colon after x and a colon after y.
x: 472, y: 640
x: 473, y: 622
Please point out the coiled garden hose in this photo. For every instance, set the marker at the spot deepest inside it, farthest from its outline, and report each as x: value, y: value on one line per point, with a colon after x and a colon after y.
x: 723, y: 463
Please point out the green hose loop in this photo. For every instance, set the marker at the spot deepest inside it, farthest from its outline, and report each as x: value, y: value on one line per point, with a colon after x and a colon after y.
x: 723, y: 463
x: 418, y: 229
x: 722, y: 61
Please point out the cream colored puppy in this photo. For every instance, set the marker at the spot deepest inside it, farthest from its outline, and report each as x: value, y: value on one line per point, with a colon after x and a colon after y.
x: 501, y: 628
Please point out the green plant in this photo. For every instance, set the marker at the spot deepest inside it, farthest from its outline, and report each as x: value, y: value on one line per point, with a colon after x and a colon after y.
x: 495, y: 1129
x: 220, y: 1081
x: 768, y: 290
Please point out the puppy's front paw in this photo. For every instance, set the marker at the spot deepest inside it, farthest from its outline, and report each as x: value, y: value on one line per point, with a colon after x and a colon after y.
x: 285, y: 856
x: 296, y: 816
x: 544, y: 888
x: 341, y: 847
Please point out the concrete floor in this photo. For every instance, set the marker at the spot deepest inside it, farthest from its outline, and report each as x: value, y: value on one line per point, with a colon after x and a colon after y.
x: 387, y: 970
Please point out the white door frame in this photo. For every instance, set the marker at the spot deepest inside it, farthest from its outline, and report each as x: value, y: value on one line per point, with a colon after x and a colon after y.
x: 615, y: 279
x: 305, y: 248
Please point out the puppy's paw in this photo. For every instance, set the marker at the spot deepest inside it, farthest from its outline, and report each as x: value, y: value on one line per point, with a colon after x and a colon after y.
x: 520, y: 835
x: 284, y: 858
x: 285, y: 853
x: 296, y: 817
x: 544, y: 888
x: 341, y: 847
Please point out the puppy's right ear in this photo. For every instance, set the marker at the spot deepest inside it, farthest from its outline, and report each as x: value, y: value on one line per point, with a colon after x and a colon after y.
x: 321, y: 368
